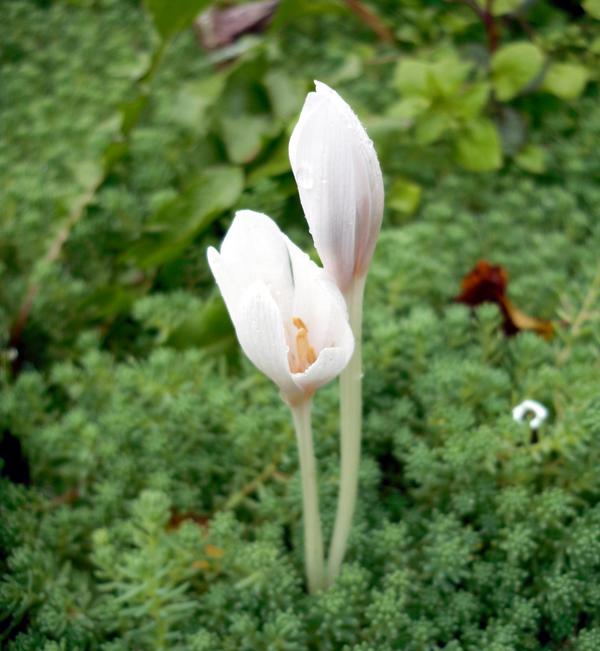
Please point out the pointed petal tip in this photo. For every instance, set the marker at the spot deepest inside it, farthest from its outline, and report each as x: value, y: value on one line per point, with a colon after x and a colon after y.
x: 213, y: 256
x: 322, y: 87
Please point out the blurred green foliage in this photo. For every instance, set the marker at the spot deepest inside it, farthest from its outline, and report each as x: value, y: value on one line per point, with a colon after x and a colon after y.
x: 149, y: 496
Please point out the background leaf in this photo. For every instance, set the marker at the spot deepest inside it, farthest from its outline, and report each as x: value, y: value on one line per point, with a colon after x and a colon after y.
x: 566, y: 80
x: 478, y: 147
x: 404, y: 196
x: 532, y: 158
x: 171, y: 16
x: 592, y: 7
x: 514, y: 66
x: 175, y: 224
x: 244, y: 136
x: 208, y: 327
x: 412, y: 77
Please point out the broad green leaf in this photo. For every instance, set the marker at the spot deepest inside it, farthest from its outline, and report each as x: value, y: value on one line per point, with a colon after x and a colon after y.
x: 501, y: 7
x: 404, y: 196
x: 114, y: 152
x: 285, y: 93
x: 171, y: 16
x: 514, y: 66
x: 175, y: 224
x: 131, y: 112
x: 566, y: 80
x: 352, y: 67
x: 409, y: 108
x: 245, y: 135
x: 455, y: 22
x: 478, y: 147
x: 109, y: 300
x: 381, y: 127
x: 191, y: 104
x: 592, y: 7
x: 209, y: 327
x: 276, y: 163
x: 447, y: 76
x: 407, y: 33
x: 532, y: 158
x: 432, y: 127
x: 245, y: 119
x: 132, y: 68
x: 412, y: 77
x: 472, y: 101
x: 244, y: 92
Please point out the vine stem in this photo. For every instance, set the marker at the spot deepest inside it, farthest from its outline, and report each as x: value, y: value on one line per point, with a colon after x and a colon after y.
x: 370, y: 18
x: 313, y: 537
x: 350, y: 434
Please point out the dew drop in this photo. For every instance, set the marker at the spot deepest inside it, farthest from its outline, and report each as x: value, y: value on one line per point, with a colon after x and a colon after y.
x: 304, y: 177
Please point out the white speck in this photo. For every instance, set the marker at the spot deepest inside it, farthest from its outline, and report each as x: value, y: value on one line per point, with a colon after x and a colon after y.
x: 304, y: 177
x: 530, y: 407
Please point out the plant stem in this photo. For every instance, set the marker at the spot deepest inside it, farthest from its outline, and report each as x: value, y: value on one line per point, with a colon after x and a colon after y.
x: 350, y: 433
x: 370, y: 18
x: 313, y: 538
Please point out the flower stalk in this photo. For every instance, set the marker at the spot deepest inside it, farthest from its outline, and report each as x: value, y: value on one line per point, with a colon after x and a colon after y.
x: 350, y: 434
x: 313, y: 537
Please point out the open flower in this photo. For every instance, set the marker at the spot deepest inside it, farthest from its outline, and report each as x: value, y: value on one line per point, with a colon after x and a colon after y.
x: 340, y: 184
x: 289, y: 316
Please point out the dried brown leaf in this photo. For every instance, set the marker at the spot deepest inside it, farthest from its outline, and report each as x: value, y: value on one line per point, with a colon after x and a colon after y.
x: 488, y: 283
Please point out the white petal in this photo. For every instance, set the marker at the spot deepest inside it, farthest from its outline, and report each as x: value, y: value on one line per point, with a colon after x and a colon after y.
x: 321, y: 306
x: 329, y: 364
x: 339, y: 181
x: 321, y: 159
x: 319, y: 303
x: 259, y: 328
x: 369, y: 206
x: 227, y: 287
x: 255, y: 250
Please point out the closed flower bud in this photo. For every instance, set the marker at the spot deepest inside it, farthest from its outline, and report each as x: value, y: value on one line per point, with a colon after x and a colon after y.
x: 340, y: 184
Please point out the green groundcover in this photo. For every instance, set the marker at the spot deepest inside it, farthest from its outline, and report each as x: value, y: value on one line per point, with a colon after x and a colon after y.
x: 150, y: 496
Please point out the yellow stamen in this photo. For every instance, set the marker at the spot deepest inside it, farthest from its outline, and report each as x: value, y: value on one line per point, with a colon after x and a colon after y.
x: 305, y: 354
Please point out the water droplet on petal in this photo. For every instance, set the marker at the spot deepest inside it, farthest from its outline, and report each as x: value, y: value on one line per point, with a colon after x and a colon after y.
x: 304, y: 177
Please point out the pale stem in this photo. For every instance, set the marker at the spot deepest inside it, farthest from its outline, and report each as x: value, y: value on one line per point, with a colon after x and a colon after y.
x: 313, y: 538
x: 350, y: 434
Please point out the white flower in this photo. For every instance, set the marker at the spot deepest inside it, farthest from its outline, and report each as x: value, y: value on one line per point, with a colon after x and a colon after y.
x: 340, y: 183
x: 289, y: 316
x: 527, y: 408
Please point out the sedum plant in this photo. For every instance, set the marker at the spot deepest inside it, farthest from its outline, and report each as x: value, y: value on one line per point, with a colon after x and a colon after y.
x: 150, y: 492
x: 185, y: 528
